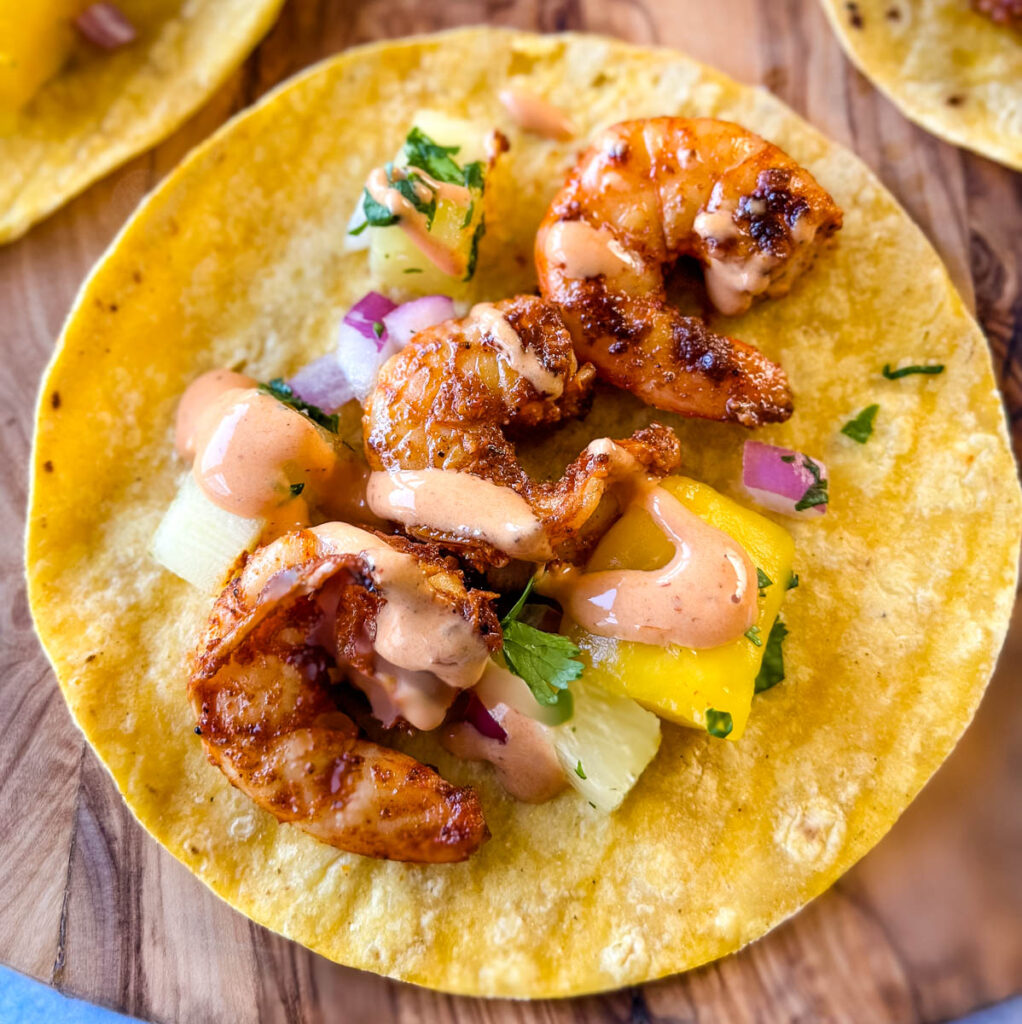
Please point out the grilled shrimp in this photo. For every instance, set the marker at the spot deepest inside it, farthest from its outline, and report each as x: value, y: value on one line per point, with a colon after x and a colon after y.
x: 1002, y: 12
x: 264, y: 693
x: 648, y: 192
x: 458, y: 393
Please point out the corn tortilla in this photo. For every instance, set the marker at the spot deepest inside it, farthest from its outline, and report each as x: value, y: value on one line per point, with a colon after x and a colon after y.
x: 945, y: 66
x: 907, y: 582
x: 105, y: 107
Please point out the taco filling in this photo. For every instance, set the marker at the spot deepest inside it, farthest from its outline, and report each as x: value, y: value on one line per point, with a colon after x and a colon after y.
x: 406, y: 573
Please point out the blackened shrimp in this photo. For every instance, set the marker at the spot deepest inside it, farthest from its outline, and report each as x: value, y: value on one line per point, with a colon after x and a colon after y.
x: 440, y: 426
x: 648, y: 192
x: 307, y: 610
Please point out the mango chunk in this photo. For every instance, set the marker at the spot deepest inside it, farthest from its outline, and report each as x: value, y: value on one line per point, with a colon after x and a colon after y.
x: 678, y: 683
x: 35, y: 40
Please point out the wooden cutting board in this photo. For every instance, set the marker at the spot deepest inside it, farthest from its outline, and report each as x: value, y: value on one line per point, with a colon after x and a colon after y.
x: 927, y: 927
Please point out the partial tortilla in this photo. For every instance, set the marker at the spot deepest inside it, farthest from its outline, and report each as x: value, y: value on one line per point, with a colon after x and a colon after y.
x: 104, y: 107
x: 906, y: 582
x: 948, y: 68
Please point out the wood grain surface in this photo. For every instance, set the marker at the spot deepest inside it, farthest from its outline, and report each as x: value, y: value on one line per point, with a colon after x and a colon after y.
x: 926, y: 928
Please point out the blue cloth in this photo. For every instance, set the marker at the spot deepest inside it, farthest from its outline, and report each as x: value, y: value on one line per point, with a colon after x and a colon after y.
x: 24, y: 1001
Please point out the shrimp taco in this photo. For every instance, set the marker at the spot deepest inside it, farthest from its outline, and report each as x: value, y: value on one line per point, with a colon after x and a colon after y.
x: 506, y: 494
x: 952, y: 66
x: 86, y: 86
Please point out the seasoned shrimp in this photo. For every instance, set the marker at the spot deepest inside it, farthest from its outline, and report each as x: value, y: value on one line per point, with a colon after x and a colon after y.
x: 648, y: 192
x: 454, y: 398
x: 1003, y: 12
x: 306, y: 608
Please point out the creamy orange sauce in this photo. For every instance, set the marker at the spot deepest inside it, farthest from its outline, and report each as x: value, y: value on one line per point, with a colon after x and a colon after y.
x: 250, y: 449
x: 415, y: 630
x: 526, y: 763
x: 415, y: 223
x: 460, y: 505
x: 493, y: 328
x: 732, y: 281
x: 583, y: 251
x: 198, y: 396
x: 705, y: 595
x: 534, y: 114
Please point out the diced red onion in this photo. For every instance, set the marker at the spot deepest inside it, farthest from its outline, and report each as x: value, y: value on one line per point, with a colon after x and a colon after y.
x: 367, y: 316
x: 469, y: 708
x: 776, y: 484
x: 106, y: 26
x: 411, y: 317
x: 324, y: 382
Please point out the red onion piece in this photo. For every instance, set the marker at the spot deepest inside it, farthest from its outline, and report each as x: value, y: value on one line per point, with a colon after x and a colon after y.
x: 412, y: 317
x: 367, y: 316
x: 779, y: 485
x: 469, y: 708
x: 323, y: 382
x: 106, y: 26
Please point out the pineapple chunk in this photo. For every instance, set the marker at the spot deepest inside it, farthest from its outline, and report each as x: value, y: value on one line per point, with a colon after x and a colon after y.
x: 397, y: 263
x: 35, y: 40
x: 679, y: 683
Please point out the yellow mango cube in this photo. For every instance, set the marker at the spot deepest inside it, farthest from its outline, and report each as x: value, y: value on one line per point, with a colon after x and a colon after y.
x: 679, y: 683
x: 35, y: 40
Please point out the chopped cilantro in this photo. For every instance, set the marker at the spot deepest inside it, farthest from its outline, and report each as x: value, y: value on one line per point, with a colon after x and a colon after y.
x: 297, y: 489
x: 905, y: 371
x: 788, y: 458
x: 771, y: 672
x: 816, y: 494
x: 378, y: 328
x: 376, y: 214
x: 407, y: 187
x: 792, y: 581
x: 860, y: 428
x: 718, y: 723
x: 579, y: 771
x: 762, y: 581
x: 546, y: 661
x: 412, y: 270
x: 473, y: 253
x: 752, y: 633
x: 421, y: 151
x: 469, y: 214
x: 283, y: 393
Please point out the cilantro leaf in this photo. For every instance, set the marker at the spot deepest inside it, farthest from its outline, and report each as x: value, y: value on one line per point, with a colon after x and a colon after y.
x: 407, y: 187
x: 860, y: 428
x: 475, y: 175
x: 580, y: 771
x: 297, y: 489
x: 473, y: 253
x: 792, y: 581
x: 546, y: 661
x: 377, y: 215
x: 816, y: 493
x: 905, y: 371
x: 752, y: 633
x: 421, y: 151
x: 412, y: 270
x: 718, y: 723
x: 378, y: 328
x: 762, y: 581
x: 771, y: 672
x: 284, y: 393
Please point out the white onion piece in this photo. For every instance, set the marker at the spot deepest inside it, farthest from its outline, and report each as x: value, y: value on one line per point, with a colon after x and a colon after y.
x: 324, y: 382
x: 106, y: 26
x: 411, y: 317
x: 777, y: 484
x: 361, y: 359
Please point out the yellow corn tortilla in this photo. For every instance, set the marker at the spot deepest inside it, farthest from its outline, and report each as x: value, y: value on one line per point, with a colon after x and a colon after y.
x: 105, y: 107
x: 907, y: 582
x: 948, y: 68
